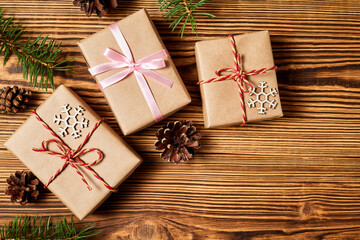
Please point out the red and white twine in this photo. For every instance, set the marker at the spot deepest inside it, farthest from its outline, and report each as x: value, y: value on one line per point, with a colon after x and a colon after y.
x: 72, y: 157
x: 238, y: 75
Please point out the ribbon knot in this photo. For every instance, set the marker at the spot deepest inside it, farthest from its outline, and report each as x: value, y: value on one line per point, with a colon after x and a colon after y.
x: 238, y: 75
x: 141, y: 68
x: 72, y: 157
x: 68, y: 155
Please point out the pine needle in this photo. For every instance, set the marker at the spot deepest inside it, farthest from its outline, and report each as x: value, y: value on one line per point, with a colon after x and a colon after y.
x: 32, y: 228
x: 37, y: 58
x: 183, y: 11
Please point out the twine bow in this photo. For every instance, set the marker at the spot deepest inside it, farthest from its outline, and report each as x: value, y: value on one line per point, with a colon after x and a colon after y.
x: 72, y: 157
x: 238, y: 75
x: 144, y: 66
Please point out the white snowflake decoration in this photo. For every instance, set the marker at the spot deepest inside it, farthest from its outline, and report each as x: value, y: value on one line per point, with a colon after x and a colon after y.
x: 262, y: 100
x: 71, y: 121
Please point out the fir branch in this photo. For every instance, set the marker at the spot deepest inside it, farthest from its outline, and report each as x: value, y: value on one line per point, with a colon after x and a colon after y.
x: 183, y: 11
x: 39, y: 57
x: 33, y: 228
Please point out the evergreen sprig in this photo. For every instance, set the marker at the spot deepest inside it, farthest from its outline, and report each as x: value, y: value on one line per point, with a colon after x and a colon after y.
x: 183, y: 11
x: 38, y: 57
x: 31, y: 228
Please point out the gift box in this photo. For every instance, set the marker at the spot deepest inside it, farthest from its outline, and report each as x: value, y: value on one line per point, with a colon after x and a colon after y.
x: 132, y: 67
x: 73, y: 152
x: 237, y: 79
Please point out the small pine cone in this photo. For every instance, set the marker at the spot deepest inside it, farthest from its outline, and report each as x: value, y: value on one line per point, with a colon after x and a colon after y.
x: 23, y: 187
x: 13, y: 99
x: 100, y: 7
x: 178, y: 140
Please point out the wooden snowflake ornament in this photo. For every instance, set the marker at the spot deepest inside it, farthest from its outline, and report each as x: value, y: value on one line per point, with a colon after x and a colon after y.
x: 71, y: 121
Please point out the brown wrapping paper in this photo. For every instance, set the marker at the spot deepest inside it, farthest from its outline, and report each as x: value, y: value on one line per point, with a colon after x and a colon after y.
x: 221, y: 100
x: 118, y: 163
x: 125, y: 97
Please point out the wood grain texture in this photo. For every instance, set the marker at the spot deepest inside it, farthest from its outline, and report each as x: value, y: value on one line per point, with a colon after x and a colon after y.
x: 297, y: 177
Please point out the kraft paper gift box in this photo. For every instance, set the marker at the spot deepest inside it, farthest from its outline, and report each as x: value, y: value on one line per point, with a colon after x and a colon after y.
x: 126, y: 97
x: 117, y: 163
x: 221, y: 99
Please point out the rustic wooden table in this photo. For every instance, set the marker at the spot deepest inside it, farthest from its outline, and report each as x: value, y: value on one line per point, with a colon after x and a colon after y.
x: 297, y: 177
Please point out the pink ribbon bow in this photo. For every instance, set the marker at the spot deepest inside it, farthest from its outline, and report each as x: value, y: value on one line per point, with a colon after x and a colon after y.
x: 140, y: 68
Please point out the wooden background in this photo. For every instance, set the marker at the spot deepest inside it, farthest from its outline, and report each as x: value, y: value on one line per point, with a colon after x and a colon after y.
x: 297, y: 177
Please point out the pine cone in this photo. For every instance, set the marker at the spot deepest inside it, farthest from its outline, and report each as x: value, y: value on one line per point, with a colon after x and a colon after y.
x: 178, y: 140
x: 23, y: 187
x: 101, y: 7
x: 13, y: 99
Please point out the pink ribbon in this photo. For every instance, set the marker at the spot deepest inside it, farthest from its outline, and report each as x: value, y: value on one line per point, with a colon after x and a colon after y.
x: 140, y: 68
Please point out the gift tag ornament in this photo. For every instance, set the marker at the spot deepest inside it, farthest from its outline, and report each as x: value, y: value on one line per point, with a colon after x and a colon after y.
x: 71, y: 121
x: 262, y: 97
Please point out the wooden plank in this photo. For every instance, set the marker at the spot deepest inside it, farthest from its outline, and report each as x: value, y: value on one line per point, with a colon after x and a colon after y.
x: 292, y: 178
